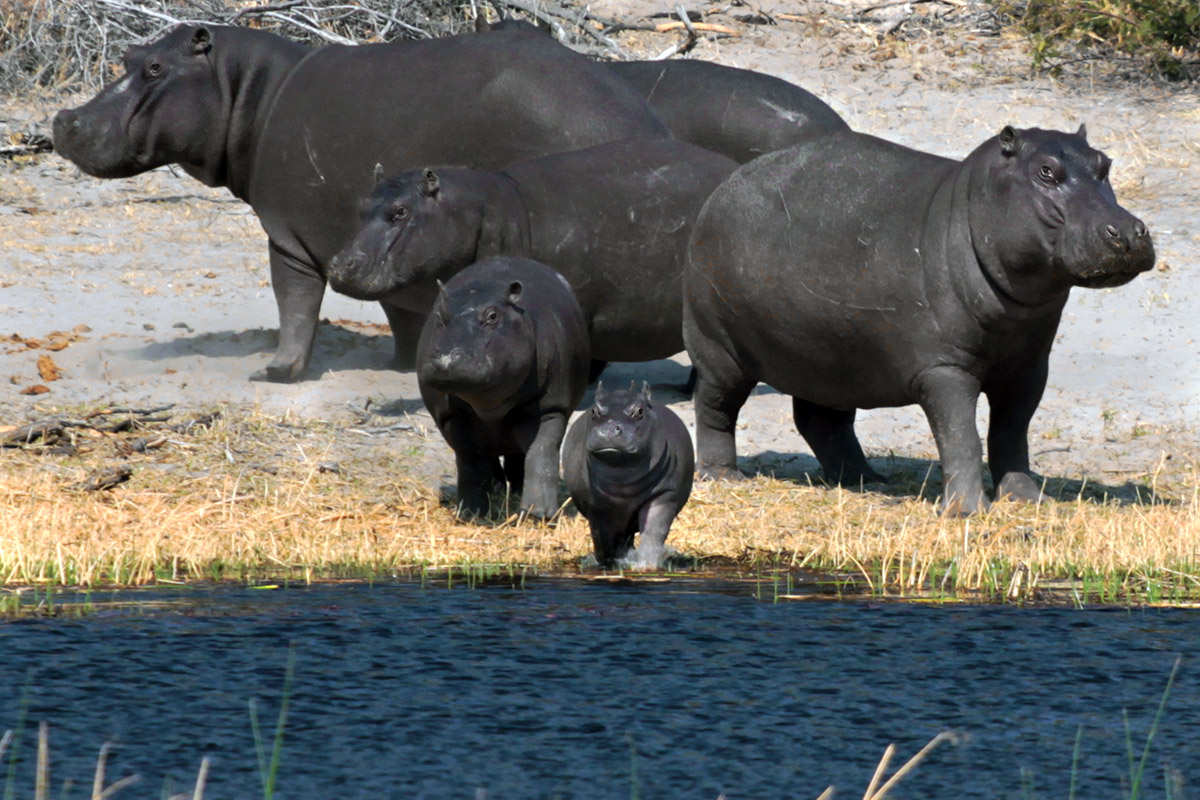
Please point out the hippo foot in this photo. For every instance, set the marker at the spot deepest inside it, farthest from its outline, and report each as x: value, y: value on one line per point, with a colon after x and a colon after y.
x: 642, y: 559
x: 1020, y: 486
x: 716, y: 473
x: 279, y: 373
x: 535, y: 514
x: 472, y: 506
x: 959, y: 507
x: 854, y: 478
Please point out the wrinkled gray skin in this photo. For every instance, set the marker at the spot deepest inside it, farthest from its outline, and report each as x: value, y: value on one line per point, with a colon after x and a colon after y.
x: 628, y: 465
x: 850, y: 272
x: 738, y: 113
x: 296, y: 133
x: 614, y: 219
x: 502, y: 362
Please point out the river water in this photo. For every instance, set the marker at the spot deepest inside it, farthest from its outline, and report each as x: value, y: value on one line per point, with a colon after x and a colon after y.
x: 584, y: 690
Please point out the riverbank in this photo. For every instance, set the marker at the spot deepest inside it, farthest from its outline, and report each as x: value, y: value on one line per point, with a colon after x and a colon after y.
x: 120, y: 498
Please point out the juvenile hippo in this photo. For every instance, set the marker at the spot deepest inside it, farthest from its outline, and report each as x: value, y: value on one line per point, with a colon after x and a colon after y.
x: 738, y: 113
x: 850, y: 272
x: 628, y: 465
x: 296, y: 133
x: 614, y: 219
x: 502, y: 363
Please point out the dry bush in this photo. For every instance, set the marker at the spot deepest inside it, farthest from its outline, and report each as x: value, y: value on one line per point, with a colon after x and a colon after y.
x: 70, y: 45
x: 1158, y: 36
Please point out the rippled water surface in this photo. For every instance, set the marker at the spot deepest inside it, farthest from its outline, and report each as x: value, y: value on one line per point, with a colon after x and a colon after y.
x: 410, y: 692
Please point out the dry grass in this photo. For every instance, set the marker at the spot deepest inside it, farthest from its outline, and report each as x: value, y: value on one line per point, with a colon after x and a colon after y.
x: 252, y: 497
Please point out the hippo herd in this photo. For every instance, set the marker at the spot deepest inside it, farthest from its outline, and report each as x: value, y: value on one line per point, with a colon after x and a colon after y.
x: 525, y: 215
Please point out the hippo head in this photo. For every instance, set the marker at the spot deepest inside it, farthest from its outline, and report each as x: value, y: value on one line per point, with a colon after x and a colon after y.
x: 165, y: 109
x: 417, y: 229
x: 1046, y: 217
x: 623, y: 424
x: 479, y: 344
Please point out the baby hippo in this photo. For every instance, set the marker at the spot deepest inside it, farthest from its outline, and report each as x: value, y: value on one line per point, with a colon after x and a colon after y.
x: 501, y: 363
x: 628, y: 465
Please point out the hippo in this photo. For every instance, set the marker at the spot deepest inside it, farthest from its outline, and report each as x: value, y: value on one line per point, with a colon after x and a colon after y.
x: 614, y: 219
x: 850, y: 272
x: 738, y: 113
x: 296, y: 132
x: 502, y: 363
x: 628, y: 465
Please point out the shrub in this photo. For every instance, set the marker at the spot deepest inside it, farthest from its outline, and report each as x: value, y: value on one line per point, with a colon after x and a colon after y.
x: 1162, y: 36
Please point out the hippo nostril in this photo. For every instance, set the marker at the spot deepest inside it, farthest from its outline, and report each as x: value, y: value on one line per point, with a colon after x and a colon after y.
x: 1139, y: 229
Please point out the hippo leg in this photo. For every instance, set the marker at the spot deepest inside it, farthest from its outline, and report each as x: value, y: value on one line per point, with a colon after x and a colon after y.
x: 830, y: 434
x: 657, y: 516
x: 299, y: 290
x: 718, y: 400
x: 1012, y: 407
x: 540, y: 496
x: 477, y: 472
x: 948, y: 396
x: 514, y: 472
x: 474, y: 481
x: 406, y: 330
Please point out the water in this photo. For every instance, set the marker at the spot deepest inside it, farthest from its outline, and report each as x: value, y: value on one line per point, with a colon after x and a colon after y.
x: 409, y: 692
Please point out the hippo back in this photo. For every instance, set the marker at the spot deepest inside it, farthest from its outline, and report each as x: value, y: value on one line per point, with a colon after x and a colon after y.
x: 482, y: 101
x: 739, y: 113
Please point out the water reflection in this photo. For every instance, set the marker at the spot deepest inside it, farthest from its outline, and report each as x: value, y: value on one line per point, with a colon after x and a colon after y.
x: 403, y: 691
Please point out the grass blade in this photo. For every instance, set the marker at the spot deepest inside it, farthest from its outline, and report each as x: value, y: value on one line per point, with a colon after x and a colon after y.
x: 1075, y: 763
x: 1135, y: 786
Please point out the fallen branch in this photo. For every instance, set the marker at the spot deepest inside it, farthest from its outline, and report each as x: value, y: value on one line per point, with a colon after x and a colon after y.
x: 105, y: 478
x: 704, y: 27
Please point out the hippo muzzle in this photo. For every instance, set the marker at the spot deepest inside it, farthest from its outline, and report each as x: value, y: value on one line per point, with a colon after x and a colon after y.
x: 94, y: 142
x: 1121, y: 249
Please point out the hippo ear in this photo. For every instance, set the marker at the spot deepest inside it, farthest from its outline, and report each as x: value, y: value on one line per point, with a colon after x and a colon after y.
x: 201, y: 41
x: 599, y: 398
x: 481, y: 23
x: 378, y: 172
x: 646, y: 392
x: 1010, y: 141
x: 429, y: 183
x: 514, y: 292
x: 441, y: 291
x: 1082, y: 132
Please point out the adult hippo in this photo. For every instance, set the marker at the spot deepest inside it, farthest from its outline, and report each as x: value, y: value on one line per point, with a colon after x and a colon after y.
x: 738, y: 113
x: 850, y: 272
x: 296, y: 133
x: 614, y: 219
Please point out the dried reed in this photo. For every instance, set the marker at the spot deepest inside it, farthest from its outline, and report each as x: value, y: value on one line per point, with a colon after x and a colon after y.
x: 190, y: 512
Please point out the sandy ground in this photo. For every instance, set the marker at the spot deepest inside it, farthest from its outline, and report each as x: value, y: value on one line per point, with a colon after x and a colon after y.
x: 170, y: 278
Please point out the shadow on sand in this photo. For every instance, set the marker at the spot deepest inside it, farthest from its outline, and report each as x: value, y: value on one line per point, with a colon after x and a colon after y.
x: 337, y: 347
x: 922, y: 477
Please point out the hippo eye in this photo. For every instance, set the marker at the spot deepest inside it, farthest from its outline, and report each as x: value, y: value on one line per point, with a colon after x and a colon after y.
x: 1046, y: 173
x: 400, y: 214
x: 154, y: 69
x: 490, y: 316
x: 636, y: 413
